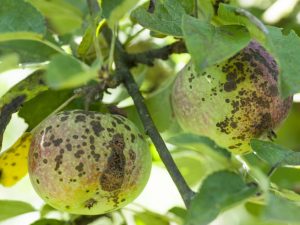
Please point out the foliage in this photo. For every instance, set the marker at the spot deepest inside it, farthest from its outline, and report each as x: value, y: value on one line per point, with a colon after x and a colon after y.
x: 83, y: 54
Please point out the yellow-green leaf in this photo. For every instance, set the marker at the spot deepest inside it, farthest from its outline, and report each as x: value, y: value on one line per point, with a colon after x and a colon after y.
x: 13, y: 162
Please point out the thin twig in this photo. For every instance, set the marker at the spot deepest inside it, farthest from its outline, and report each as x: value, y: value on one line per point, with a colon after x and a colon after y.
x: 148, y: 57
x: 122, y: 70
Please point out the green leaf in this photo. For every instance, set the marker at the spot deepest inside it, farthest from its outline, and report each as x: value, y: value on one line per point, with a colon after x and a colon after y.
x: 232, y: 15
x: 218, y: 192
x: 286, y: 49
x: 180, y: 212
x: 27, y: 50
x: 165, y: 19
x: 215, y: 40
x: 67, y: 72
x: 62, y: 17
x: 188, y: 163
x: 20, y: 16
x: 11, y: 209
x: 38, y: 108
x: 209, y: 45
x: 12, y: 101
x: 206, y: 11
x: 114, y: 10
x: 9, y: 61
x: 274, y: 154
x: 49, y: 222
x: 150, y: 218
x: 279, y: 209
x: 46, y: 209
x: 196, y: 142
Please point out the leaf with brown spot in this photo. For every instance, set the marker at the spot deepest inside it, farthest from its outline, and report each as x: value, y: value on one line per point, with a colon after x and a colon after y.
x: 12, y: 101
x: 13, y: 162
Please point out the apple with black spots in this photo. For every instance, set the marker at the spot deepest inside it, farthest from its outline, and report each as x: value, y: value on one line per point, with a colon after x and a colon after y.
x: 84, y: 162
x: 233, y: 101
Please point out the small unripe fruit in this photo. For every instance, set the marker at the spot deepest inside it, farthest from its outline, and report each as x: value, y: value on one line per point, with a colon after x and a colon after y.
x: 88, y: 163
x: 231, y: 102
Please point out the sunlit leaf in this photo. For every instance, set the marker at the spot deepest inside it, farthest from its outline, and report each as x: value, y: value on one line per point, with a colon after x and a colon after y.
x: 9, y: 61
x: 114, y: 10
x: 13, y: 162
x: 62, y: 17
x: 11, y: 209
x: 67, y: 72
x: 49, y: 222
x: 147, y: 218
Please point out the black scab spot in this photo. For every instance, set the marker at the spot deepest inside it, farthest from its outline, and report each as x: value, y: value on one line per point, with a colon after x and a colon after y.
x: 230, y: 86
x: 79, y: 118
x: 63, y: 118
x: 75, y: 136
x: 92, y: 139
x: 46, y: 144
x: 69, y: 147
x: 90, y: 203
x: 97, y: 128
x: 37, y: 181
x: 79, y: 167
x: 132, y: 137
x: 79, y: 153
x: 57, y: 142
x: 45, y: 161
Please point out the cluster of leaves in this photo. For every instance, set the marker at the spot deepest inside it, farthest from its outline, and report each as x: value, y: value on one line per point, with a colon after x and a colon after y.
x: 62, y: 42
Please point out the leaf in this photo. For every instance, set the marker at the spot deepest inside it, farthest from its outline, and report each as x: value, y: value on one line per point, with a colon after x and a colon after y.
x: 279, y: 209
x: 114, y: 10
x: 232, y: 15
x: 13, y: 162
x: 67, y: 72
x: 11, y: 209
x: 9, y: 61
x: 46, y: 209
x: 219, y: 191
x: 62, y: 17
x: 188, y: 163
x: 12, y: 101
x: 86, y: 43
x: 274, y: 154
x: 180, y: 212
x: 209, y: 45
x: 38, y: 108
x: 49, y: 222
x: 28, y: 51
x: 150, y: 218
x: 165, y: 19
x: 286, y: 49
x: 196, y: 142
x: 26, y: 18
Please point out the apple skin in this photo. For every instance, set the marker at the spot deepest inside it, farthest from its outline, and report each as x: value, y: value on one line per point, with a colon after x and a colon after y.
x: 88, y: 163
x: 233, y: 101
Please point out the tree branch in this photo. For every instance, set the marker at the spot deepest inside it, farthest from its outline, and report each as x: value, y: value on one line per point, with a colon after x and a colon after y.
x: 148, y: 57
x: 122, y: 70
